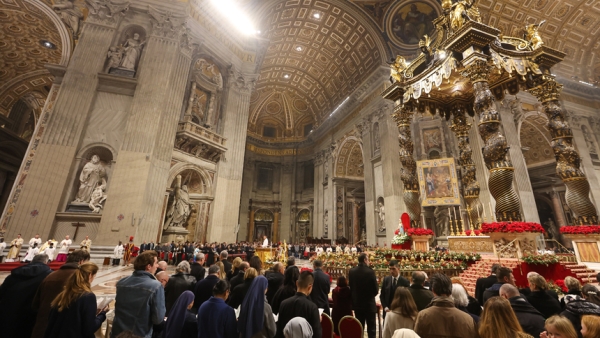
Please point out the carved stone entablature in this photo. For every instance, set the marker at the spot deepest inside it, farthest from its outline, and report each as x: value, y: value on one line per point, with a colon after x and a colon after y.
x: 167, y: 24
x: 199, y: 142
x: 106, y: 12
x: 241, y: 82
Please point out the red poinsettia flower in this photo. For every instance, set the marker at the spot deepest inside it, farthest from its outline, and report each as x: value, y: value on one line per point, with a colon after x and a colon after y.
x: 419, y: 232
x: 580, y: 229
x: 512, y: 227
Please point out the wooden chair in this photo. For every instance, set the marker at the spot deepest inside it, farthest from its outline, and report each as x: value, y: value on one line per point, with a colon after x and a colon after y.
x: 350, y: 327
x: 326, y: 326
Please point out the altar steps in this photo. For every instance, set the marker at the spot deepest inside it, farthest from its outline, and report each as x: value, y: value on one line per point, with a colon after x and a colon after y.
x: 581, y: 272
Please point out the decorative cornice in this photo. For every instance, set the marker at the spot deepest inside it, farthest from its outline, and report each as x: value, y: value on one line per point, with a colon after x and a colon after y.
x: 547, y: 91
x: 478, y: 71
x: 167, y: 24
x: 106, y: 12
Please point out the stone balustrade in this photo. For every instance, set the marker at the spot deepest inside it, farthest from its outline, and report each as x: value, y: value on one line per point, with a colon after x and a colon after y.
x: 199, y: 141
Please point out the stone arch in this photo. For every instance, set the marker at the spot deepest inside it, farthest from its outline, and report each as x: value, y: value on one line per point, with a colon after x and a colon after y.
x: 349, y: 159
x: 535, y: 139
x: 180, y: 168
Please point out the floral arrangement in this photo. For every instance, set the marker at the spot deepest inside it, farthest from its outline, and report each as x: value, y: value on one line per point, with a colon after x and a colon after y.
x: 558, y: 286
x: 428, y: 255
x: 400, y: 238
x: 511, y: 227
x: 580, y: 229
x: 419, y: 232
x: 545, y: 259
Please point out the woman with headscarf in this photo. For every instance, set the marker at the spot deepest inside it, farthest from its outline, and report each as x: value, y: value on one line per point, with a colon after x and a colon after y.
x: 181, y: 321
x: 298, y: 327
x: 405, y: 333
x: 256, y: 318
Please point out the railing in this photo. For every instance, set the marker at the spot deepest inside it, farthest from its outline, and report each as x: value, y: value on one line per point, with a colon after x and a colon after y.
x: 201, y: 132
x: 381, y: 273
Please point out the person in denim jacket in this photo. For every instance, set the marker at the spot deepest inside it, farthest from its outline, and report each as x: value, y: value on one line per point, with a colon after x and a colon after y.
x: 140, y: 301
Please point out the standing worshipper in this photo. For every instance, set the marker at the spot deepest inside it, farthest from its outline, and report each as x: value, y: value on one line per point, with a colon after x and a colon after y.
x: 15, y: 248
x: 499, y: 321
x: 2, y: 247
x: 16, y: 295
x: 140, y: 300
x: 290, y: 276
x: 402, y: 314
x: 342, y: 303
x: 390, y: 283
x: 178, y: 283
x: 300, y: 305
x: 31, y: 252
x: 420, y: 294
x: 531, y: 320
x: 321, y: 287
x: 275, y: 278
x: 74, y: 313
x: 117, y: 254
x: 53, y: 285
x: 239, y: 293
x: 215, y: 318
x: 196, y: 269
x: 182, y: 322
x: 364, y: 287
x: 86, y: 244
x: 204, y: 288
x: 540, y: 299
x: 127, y: 251
x: 484, y: 283
x: 256, y: 317
x: 63, y: 249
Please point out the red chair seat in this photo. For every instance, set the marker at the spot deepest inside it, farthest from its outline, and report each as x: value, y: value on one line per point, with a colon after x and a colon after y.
x: 350, y: 327
x: 326, y: 326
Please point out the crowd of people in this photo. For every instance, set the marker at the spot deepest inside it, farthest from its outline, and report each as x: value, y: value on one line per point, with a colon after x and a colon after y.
x: 243, y: 299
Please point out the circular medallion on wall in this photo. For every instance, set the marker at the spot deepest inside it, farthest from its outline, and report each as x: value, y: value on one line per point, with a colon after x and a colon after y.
x: 408, y: 21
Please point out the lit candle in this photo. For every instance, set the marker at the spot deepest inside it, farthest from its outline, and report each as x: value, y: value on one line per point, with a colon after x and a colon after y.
x: 454, y: 210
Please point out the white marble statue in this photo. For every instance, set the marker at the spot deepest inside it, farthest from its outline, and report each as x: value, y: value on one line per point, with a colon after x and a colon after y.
x: 381, y: 212
x: 179, y: 212
x: 93, y: 175
x: 70, y: 14
x: 114, y: 55
x: 98, y: 197
x: 442, y: 217
x: 132, y: 51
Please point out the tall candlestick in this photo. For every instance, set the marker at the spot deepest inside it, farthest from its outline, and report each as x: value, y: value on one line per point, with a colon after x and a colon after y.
x: 423, y: 221
x: 483, y: 212
x: 492, y: 214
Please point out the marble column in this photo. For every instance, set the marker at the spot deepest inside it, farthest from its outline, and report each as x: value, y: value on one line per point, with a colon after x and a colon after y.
x: 495, y: 150
x: 64, y: 117
x: 228, y: 180
x: 568, y: 160
x: 355, y: 223
x: 508, y: 109
x: 250, y: 236
x: 144, y: 160
x: 362, y: 132
x: 557, y: 207
x: 288, y: 189
x: 586, y: 161
x: 275, y: 235
x: 317, y: 218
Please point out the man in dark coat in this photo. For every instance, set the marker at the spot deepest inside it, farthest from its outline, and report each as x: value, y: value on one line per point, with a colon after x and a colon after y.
x: 239, y: 278
x: 321, y: 287
x: 531, y: 320
x: 390, y: 283
x: 300, y: 305
x: 204, y: 288
x: 52, y: 285
x: 197, y: 268
x: 504, y: 275
x: 226, y: 264
x: 16, y: 295
x: 420, y: 294
x: 485, y: 282
x: 178, y: 283
x: 275, y: 279
x: 363, y: 285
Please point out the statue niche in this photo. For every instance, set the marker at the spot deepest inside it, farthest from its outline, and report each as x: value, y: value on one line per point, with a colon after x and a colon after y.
x: 180, y: 207
x: 123, y: 58
x: 205, y: 93
x: 91, y: 187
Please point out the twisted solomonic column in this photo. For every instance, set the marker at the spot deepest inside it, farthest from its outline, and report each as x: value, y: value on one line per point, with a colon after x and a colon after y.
x: 403, y: 116
x: 567, y: 158
x: 495, y: 150
x: 460, y: 126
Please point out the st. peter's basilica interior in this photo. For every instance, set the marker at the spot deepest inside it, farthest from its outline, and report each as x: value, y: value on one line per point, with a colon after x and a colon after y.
x: 225, y: 120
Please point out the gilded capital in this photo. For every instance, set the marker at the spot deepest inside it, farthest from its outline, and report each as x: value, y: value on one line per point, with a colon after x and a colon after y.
x: 547, y: 91
x: 478, y: 71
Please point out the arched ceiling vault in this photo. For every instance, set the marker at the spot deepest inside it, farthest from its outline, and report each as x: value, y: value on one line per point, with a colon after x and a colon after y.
x: 319, y: 51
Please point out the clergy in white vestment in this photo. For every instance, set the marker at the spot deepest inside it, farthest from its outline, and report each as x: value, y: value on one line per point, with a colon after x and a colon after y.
x: 265, y: 242
x: 15, y: 248
x: 118, y: 253
x: 63, y: 249
x: 31, y: 252
x: 35, y: 239
x: 86, y: 244
x: 2, y: 246
x: 49, y: 250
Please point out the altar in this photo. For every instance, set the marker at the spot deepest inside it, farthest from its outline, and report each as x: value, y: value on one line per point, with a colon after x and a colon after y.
x: 479, y: 244
x: 264, y: 254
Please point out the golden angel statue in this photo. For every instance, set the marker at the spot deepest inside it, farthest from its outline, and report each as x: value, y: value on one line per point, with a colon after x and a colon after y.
x: 532, y: 35
x: 462, y: 11
x: 397, y: 68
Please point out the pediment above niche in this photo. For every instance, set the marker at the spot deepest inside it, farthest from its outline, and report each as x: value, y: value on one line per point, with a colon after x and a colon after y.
x: 207, y: 74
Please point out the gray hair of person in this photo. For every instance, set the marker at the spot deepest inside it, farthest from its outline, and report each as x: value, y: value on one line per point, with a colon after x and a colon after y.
x: 317, y: 263
x: 297, y: 327
x: 510, y: 290
x: 184, y: 267
x: 459, y: 295
x: 572, y: 283
x: 224, y: 254
x: 40, y: 258
x: 531, y: 273
x: 199, y: 256
x: 418, y: 277
x: 213, y: 269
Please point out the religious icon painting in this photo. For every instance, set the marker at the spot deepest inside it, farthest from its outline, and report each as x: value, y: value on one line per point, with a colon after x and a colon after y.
x: 438, y: 182
x: 408, y: 21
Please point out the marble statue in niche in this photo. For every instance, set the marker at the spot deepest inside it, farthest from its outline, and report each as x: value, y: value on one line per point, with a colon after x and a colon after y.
x: 98, y: 197
x: 589, y: 141
x: 132, y: 50
x: 114, y: 55
x: 442, y: 217
x: 210, y: 71
x: 381, y: 213
x: 179, y: 211
x: 92, y: 177
x: 70, y: 15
